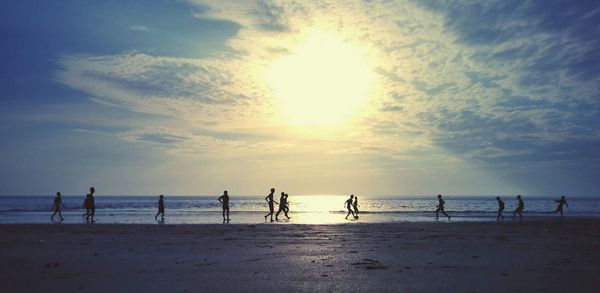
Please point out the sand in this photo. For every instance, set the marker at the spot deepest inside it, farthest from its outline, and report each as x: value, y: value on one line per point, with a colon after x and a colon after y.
x: 538, y: 256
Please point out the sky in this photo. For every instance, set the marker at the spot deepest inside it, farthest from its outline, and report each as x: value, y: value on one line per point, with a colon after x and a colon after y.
x: 369, y: 97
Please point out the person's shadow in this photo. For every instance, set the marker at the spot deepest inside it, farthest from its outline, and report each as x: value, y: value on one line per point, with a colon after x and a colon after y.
x: 57, y: 221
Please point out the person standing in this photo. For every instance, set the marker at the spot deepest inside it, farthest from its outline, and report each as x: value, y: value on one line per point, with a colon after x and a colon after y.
x: 440, y: 207
x: 57, y: 206
x: 348, y: 205
x: 92, y: 204
x: 355, y: 206
x: 561, y: 202
x: 270, y: 201
x: 161, y: 208
x: 86, y: 206
x: 224, y: 199
x: 500, y: 209
x: 519, y: 209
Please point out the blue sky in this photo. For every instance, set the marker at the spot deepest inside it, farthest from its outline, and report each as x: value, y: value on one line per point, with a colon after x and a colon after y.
x: 150, y: 97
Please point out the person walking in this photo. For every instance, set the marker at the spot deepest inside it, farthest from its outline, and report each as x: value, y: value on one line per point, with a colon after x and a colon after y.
x: 271, y: 203
x: 57, y: 206
x: 348, y: 205
x: 355, y: 206
x: 500, y: 209
x: 161, y: 208
x: 519, y: 209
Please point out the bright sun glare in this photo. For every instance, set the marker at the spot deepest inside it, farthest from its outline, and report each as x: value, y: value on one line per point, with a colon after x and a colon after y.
x: 325, y: 81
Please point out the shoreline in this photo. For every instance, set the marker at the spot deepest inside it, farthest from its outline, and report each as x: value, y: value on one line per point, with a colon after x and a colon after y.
x: 417, y: 257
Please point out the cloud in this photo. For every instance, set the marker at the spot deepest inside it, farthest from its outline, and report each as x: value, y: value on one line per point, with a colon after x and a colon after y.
x: 138, y: 28
x: 487, y: 81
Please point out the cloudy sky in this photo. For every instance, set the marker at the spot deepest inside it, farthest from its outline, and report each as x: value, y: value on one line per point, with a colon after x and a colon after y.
x: 312, y: 97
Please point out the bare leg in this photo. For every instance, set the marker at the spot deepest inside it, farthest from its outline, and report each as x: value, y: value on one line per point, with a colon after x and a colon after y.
x: 227, y: 214
x: 444, y: 212
x: 269, y: 214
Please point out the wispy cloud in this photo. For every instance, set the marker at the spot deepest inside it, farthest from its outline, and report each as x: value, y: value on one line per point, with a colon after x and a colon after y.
x: 138, y: 28
x: 485, y: 80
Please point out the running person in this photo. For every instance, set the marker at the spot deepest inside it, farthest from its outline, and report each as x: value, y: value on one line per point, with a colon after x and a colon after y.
x: 348, y: 205
x: 561, y: 202
x: 161, y: 208
x: 500, y: 209
x: 224, y: 199
x: 270, y: 201
x: 440, y: 207
x: 57, y: 206
x: 519, y: 209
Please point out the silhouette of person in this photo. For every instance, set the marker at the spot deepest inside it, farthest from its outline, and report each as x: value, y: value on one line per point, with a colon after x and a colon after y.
x: 286, y: 209
x: 355, y: 205
x: 270, y: 201
x: 57, y: 206
x: 561, y: 202
x: 348, y: 205
x: 89, y: 205
x: 519, y: 209
x: 224, y: 199
x: 161, y: 208
x: 500, y: 209
x: 92, y: 203
x: 282, y: 206
x: 440, y: 207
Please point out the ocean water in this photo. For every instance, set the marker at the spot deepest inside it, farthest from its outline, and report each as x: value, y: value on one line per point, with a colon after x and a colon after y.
x: 314, y: 209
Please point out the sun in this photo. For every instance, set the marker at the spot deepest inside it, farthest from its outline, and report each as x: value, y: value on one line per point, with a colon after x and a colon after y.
x: 324, y: 81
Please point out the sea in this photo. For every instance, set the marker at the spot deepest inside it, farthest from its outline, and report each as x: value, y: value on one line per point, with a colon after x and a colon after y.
x: 304, y: 209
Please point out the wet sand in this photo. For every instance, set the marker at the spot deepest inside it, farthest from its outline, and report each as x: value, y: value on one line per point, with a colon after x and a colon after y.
x: 536, y: 256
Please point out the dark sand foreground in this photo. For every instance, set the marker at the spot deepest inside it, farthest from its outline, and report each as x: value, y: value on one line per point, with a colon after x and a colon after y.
x: 539, y: 256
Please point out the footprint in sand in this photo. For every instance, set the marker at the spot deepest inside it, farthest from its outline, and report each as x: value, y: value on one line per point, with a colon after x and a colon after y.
x: 370, y: 264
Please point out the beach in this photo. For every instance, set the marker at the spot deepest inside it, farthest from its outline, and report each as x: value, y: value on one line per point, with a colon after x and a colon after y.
x: 533, y: 256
